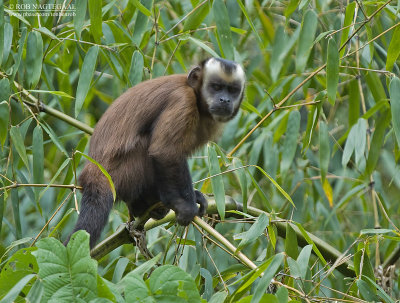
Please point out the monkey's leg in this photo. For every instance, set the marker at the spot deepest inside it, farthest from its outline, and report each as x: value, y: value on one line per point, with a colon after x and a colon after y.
x: 175, y: 188
x: 96, y: 205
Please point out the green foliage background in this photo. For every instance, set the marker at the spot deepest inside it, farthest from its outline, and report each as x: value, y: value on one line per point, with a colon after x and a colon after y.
x: 319, y: 129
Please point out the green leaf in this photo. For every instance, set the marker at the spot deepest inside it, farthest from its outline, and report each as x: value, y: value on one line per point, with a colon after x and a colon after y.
x: 366, y: 291
x: 194, y: 20
x: 291, y: 8
x: 244, y: 11
x: 38, y: 158
x: 291, y: 246
x: 79, y: 18
x: 34, y: 57
x: 7, y: 41
x: 255, y: 231
x: 290, y: 143
x: 105, y: 173
x: 21, y: 264
x: 218, y: 297
x: 217, y: 182
x: 18, y: 142
x: 18, y: 57
x: 367, y: 270
x: 306, y: 39
x: 52, y: 92
x: 303, y: 259
x: 95, y: 20
x: 348, y: 19
x: 377, y: 141
x: 136, y: 69
x: 143, y: 9
x: 394, y: 89
x: 67, y: 271
x: 324, y: 150
x: 204, y: 46
x: 54, y: 139
x: 141, y: 22
x: 269, y: 273
x: 1, y: 29
x: 4, y: 119
x: 241, y: 175
x: 15, y: 291
x: 356, y: 142
x: 332, y: 70
x: 393, y: 51
x: 222, y: 21
x: 85, y: 77
x: 354, y: 102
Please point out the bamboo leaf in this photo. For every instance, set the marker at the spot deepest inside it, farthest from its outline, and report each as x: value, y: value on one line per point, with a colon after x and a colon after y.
x: 86, y: 75
x: 290, y: 143
x: 38, y: 158
x: 95, y: 20
x: 394, y: 89
x: 136, y: 69
x: 306, y: 39
x: 393, y: 51
x: 348, y: 19
x: 332, y: 70
x: 217, y: 182
x: 79, y: 18
x: 222, y: 21
x: 4, y: 119
x: 324, y: 150
x: 103, y: 170
x: 34, y: 57
x: 18, y: 142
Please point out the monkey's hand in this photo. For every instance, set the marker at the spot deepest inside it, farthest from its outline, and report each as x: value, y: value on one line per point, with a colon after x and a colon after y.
x: 202, y: 201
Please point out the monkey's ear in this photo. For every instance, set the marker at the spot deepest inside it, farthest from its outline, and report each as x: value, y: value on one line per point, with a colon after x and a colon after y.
x: 193, y: 77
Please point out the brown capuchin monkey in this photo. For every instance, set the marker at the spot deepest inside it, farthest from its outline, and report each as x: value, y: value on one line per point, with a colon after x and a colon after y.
x: 144, y: 138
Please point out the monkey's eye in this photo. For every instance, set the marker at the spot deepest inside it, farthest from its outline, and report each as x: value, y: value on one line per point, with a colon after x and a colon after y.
x: 216, y: 86
x: 233, y: 90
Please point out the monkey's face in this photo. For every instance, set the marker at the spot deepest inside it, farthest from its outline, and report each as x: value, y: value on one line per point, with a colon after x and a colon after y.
x: 222, y: 88
x: 220, y: 84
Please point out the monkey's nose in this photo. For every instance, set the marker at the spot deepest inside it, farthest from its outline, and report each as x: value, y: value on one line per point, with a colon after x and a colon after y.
x: 224, y: 100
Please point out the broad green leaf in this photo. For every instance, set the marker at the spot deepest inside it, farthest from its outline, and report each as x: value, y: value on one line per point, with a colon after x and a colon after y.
x: 394, y: 89
x: 332, y: 70
x: 85, y: 77
x: 375, y: 86
x: 141, y: 22
x: 324, y: 150
x: 290, y: 143
x: 366, y: 265
x: 217, y: 182
x: 255, y: 231
x: 67, y: 271
x: 35, y: 293
x: 79, y: 18
x: 20, y: 264
x: 34, y: 57
x: 21, y: 44
x: 38, y: 158
x: 18, y: 143
x: 218, y: 297
x: 377, y: 141
x: 222, y: 21
x: 136, y: 289
x: 95, y: 20
x: 4, y: 119
x: 15, y: 291
x: 269, y: 273
x: 136, y: 69
x: 294, y: 268
x: 306, y: 39
x: 282, y: 295
x: 143, y: 268
x: 291, y: 246
x: 348, y: 19
x: 105, y: 173
x: 393, y: 51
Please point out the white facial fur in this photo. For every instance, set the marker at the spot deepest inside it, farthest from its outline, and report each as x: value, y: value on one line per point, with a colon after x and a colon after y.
x: 214, y: 67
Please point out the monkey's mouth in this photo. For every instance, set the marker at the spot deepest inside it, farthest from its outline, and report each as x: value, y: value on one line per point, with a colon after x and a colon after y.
x: 221, y: 111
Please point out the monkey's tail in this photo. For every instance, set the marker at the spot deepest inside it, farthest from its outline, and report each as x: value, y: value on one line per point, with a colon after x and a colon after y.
x: 96, y: 205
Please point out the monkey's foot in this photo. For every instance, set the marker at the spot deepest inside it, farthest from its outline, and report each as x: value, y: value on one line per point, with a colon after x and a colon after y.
x: 139, y: 236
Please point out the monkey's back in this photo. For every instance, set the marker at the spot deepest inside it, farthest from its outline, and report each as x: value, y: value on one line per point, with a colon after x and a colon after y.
x: 122, y: 137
